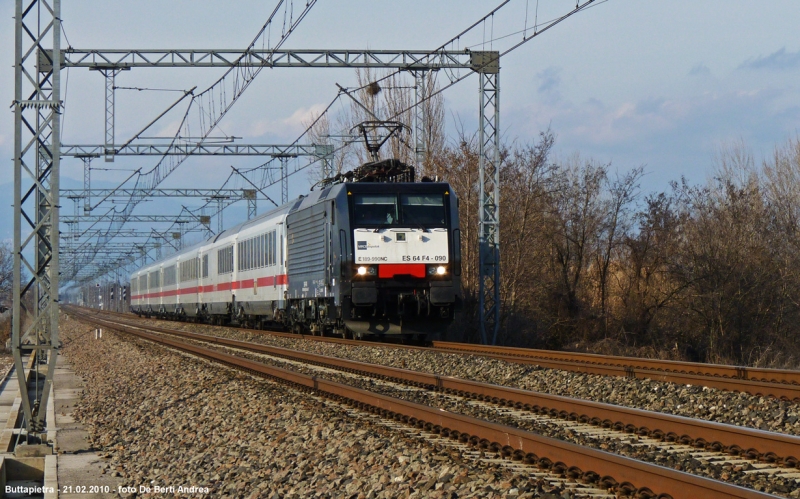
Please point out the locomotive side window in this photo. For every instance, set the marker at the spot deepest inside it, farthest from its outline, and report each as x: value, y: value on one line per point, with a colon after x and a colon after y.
x: 371, y: 209
x: 423, y: 209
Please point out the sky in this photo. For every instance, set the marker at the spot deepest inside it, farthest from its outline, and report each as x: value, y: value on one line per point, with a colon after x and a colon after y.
x: 632, y: 83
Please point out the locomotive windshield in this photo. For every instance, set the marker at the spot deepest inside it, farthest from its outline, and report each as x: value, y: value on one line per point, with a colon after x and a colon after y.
x: 423, y: 209
x: 427, y: 210
x: 374, y: 209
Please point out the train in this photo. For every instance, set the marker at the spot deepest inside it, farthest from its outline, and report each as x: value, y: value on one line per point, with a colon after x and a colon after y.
x: 373, y: 253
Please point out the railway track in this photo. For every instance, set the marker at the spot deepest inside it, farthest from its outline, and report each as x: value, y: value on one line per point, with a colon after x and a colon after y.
x: 706, y: 440
x: 778, y: 383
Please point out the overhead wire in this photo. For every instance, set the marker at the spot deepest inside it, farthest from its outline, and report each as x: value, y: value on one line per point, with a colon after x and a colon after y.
x: 142, y: 89
x: 66, y: 82
x: 155, y: 175
x: 547, y: 25
x: 536, y: 25
x: 452, y: 40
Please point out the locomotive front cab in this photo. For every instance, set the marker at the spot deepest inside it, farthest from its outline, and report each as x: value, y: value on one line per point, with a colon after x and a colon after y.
x: 405, y: 267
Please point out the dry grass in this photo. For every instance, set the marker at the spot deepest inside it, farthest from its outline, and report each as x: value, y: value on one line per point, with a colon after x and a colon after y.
x: 5, y: 332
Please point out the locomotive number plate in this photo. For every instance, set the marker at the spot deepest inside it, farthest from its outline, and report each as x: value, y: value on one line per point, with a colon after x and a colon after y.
x: 401, y: 246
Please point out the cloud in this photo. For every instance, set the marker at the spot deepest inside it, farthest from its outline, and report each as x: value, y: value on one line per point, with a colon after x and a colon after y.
x: 304, y: 116
x: 550, y: 80
x: 778, y: 60
x: 700, y: 70
x: 679, y: 119
x: 293, y: 125
x: 169, y: 130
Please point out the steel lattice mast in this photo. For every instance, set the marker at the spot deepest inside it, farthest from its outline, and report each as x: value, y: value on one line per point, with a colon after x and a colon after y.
x: 37, y: 107
x: 489, y: 197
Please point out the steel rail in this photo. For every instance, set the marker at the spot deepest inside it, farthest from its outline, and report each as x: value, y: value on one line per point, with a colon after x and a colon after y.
x: 752, y: 443
x: 779, y: 390
x: 787, y: 376
x: 621, y: 473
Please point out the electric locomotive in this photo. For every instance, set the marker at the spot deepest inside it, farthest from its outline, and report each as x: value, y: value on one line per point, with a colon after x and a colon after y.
x: 393, y: 264
x: 373, y: 253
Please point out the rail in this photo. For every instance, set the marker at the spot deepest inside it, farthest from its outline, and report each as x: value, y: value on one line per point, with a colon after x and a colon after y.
x: 575, y: 461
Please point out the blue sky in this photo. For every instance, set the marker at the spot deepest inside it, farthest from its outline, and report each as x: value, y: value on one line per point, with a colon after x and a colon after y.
x: 630, y: 82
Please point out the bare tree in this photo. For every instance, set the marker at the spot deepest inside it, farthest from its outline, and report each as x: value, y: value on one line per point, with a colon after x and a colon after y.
x: 6, y: 271
x: 525, y: 183
x: 381, y: 97
x: 616, y: 224
x: 459, y: 165
x: 576, y: 215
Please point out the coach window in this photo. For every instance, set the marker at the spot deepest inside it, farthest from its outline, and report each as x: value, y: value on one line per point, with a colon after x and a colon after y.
x: 256, y: 258
x: 372, y: 209
x: 268, y: 248
x: 272, y: 248
x: 423, y: 209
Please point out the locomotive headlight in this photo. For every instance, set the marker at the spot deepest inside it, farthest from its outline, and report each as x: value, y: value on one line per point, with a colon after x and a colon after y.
x: 437, y: 270
x: 366, y: 270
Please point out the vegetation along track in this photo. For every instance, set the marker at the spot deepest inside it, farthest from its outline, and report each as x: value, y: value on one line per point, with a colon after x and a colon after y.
x: 778, y: 449
x: 783, y: 384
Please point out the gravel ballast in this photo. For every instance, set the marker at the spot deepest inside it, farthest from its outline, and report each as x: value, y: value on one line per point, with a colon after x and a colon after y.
x: 676, y: 456
x: 741, y: 409
x: 163, y: 419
